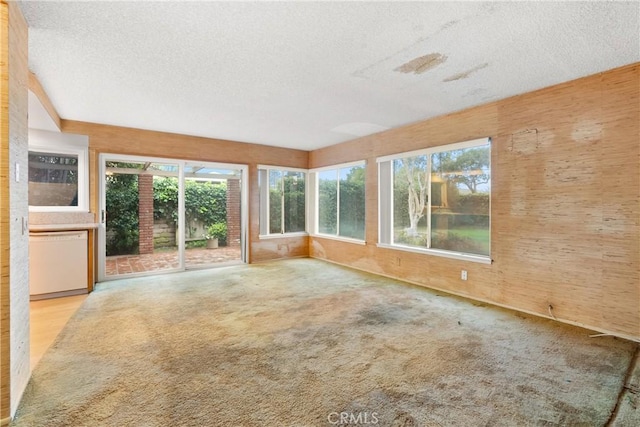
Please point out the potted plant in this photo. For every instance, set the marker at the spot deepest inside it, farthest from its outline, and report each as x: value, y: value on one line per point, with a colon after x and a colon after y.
x: 215, y: 233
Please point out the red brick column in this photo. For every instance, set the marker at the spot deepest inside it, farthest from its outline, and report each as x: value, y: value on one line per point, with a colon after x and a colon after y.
x: 233, y: 212
x: 145, y: 213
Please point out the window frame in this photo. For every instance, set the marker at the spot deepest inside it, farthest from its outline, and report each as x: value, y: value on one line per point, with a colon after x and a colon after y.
x: 314, y: 209
x: 386, y: 201
x: 51, y: 143
x: 264, y: 209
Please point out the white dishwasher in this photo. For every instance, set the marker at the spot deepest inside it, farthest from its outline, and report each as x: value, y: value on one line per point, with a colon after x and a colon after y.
x: 57, y: 264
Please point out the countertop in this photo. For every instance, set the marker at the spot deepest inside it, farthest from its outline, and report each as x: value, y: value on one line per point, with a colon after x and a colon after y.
x: 61, y: 221
x: 62, y: 227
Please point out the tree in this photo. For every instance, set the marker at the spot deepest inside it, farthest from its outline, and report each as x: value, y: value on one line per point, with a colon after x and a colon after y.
x: 122, y: 214
x: 328, y: 204
x: 203, y: 201
x: 412, y: 171
x: 352, y: 203
x: 294, y: 202
x: 468, y: 167
x: 356, y: 175
x: 286, y: 190
x: 344, y: 188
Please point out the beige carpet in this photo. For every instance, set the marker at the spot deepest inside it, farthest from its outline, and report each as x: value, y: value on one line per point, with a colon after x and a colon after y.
x: 306, y: 343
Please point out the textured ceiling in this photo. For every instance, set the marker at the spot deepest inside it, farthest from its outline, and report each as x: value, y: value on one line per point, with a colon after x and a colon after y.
x: 307, y: 75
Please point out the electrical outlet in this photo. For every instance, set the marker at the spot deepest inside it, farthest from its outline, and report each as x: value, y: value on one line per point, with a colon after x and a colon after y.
x: 463, y: 274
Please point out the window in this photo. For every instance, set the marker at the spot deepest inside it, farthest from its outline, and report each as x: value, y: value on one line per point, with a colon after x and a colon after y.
x: 58, y: 172
x: 340, y: 201
x: 437, y: 200
x: 282, y: 200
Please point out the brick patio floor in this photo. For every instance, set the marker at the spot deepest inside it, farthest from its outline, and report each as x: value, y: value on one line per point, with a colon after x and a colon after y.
x: 127, y: 264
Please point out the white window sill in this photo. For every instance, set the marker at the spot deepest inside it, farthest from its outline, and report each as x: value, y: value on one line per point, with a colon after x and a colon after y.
x: 441, y: 253
x: 340, y: 239
x: 282, y: 235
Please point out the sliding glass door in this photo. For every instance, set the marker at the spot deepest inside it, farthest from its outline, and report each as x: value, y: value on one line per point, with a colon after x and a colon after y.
x: 213, y: 213
x: 138, y: 237
x: 160, y: 215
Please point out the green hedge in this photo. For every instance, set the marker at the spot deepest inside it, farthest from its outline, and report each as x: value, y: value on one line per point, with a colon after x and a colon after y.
x: 205, y: 202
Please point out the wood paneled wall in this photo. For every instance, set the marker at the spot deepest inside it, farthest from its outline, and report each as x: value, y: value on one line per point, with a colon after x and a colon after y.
x: 119, y: 140
x: 5, y: 254
x: 565, y: 205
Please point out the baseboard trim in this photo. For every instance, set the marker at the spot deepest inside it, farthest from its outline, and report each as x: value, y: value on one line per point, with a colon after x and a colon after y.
x: 38, y: 297
x: 602, y: 332
x: 264, y: 261
x: 5, y: 421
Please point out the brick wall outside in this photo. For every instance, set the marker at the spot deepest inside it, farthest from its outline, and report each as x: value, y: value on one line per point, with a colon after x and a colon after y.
x: 145, y: 213
x: 233, y: 212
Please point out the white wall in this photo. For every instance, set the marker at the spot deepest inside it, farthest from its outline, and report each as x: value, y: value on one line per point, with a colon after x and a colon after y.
x: 18, y: 206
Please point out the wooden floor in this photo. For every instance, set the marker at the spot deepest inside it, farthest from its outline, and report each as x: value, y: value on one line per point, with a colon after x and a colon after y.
x: 48, y: 317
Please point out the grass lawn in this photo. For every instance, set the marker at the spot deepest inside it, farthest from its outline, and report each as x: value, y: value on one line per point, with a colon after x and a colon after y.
x: 477, y: 234
x: 480, y: 236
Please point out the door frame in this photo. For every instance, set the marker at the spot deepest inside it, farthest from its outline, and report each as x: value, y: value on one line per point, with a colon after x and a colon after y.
x: 102, y: 231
